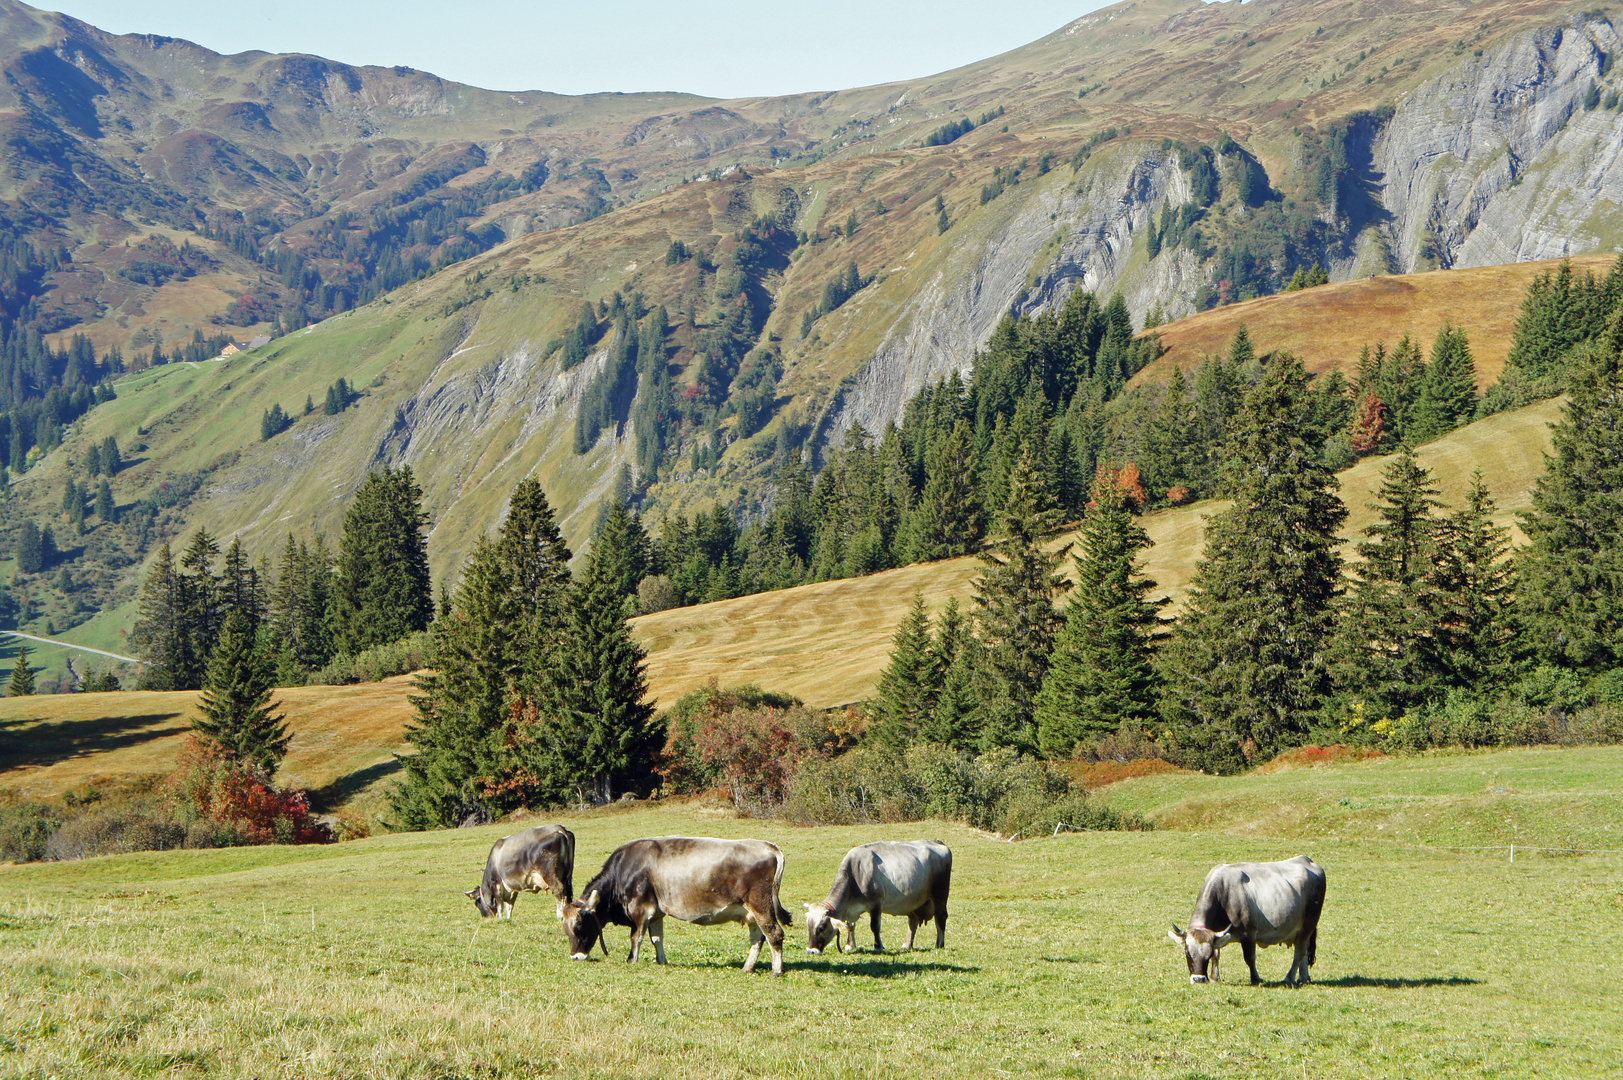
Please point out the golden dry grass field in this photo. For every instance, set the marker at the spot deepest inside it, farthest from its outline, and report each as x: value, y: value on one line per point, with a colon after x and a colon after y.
x: 1326, y: 326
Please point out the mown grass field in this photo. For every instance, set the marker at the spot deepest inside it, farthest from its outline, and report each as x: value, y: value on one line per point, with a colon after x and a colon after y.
x: 363, y: 959
x: 1326, y: 326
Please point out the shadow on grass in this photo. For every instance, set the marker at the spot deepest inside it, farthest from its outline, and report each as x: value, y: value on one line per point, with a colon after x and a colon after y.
x: 877, y: 968
x: 1355, y: 981
x: 346, y: 787
x: 26, y: 742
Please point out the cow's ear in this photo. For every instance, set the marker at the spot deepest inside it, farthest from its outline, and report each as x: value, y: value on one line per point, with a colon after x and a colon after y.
x: 1223, y: 939
x: 472, y: 894
x: 1175, y: 934
x: 807, y: 906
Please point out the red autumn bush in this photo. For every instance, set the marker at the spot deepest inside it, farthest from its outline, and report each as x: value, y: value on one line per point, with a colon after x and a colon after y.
x: 215, y: 788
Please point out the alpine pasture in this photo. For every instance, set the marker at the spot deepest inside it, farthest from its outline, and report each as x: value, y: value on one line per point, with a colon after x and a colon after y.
x: 365, y: 959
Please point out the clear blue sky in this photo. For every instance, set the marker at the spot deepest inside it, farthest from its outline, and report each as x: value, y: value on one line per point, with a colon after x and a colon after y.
x: 723, y: 48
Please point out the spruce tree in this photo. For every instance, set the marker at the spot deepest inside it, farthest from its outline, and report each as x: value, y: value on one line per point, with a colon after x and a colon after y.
x: 382, y: 590
x: 30, y: 549
x: 907, y: 689
x: 22, y: 676
x: 1387, y: 648
x: 1016, y: 620
x: 624, y: 543
x: 1472, y: 579
x: 162, y: 635
x: 495, y: 647
x: 1446, y: 397
x: 1099, y: 676
x: 1246, y: 668
x: 106, y: 509
x: 946, y: 520
x: 1570, y: 576
x: 954, y: 717
x: 236, y: 707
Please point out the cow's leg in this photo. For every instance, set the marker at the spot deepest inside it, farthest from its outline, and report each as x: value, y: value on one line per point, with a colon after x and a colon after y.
x: 656, y: 930
x: 756, y: 937
x: 1249, y: 947
x: 938, y: 900
x: 913, y: 920
x: 873, y: 923
x: 1211, y: 969
x: 636, y: 936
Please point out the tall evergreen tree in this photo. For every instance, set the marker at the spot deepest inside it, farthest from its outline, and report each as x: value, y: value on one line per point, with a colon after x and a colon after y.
x: 1570, y: 576
x: 495, y: 645
x: 954, y: 717
x: 907, y: 689
x: 160, y: 635
x: 1387, y: 648
x: 22, y: 676
x: 106, y: 509
x: 236, y: 708
x: 1446, y: 397
x: 382, y: 590
x: 1247, y: 665
x: 946, y: 519
x: 1016, y: 620
x: 1473, y: 586
x: 30, y: 549
x: 624, y: 543
x: 1099, y: 676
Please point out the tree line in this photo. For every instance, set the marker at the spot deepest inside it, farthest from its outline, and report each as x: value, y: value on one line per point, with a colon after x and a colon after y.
x: 1279, y: 641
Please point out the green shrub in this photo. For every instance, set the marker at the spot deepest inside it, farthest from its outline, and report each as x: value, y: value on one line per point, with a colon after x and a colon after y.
x: 399, y: 657
x: 24, y: 829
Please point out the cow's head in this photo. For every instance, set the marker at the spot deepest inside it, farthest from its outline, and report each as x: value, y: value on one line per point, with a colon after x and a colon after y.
x: 1200, y: 947
x: 821, y: 928
x: 582, y: 925
x: 485, y: 904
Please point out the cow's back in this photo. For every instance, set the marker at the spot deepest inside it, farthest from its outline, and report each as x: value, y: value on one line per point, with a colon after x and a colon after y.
x: 700, y: 878
x: 1274, y: 901
x: 546, y: 850
x: 898, y: 875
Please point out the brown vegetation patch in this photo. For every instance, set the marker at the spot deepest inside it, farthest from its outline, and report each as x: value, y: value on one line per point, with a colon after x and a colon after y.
x: 1097, y: 774
x: 1304, y: 757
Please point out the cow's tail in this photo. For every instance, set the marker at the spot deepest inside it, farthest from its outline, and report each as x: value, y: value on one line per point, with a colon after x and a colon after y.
x: 785, y: 919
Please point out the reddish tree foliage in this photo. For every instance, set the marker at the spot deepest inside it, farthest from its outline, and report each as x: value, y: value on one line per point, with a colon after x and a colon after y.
x: 230, y: 793
x: 1113, y: 486
x: 1369, y: 417
x: 1177, y: 493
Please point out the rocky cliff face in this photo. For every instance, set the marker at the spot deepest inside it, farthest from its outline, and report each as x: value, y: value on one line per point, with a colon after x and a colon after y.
x: 1498, y: 161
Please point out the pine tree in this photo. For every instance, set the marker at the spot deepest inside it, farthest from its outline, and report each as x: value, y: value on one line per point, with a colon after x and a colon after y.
x: 494, y: 646
x: 106, y: 509
x: 1472, y: 579
x: 1570, y: 576
x: 236, y: 707
x: 594, y: 734
x: 1246, y: 667
x: 30, y: 548
x: 22, y: 676
x: 946, y: 520
x: 1386, y: 648
x: 160, y: 635
x: 907, y: 689
x: 1446, y: 397
x: 1099, y: 676
x: 1017, y: 621
x: 382, y: 591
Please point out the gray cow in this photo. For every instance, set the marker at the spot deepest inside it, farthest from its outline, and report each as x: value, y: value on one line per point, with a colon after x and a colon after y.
x: 1276, y: 903
x: 541, y: 859
x: 889, y: 877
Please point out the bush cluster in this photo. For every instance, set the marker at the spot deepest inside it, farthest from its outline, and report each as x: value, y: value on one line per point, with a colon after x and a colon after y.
x: 208, y: 802
x: 777, y: 758
x: 400, y: 657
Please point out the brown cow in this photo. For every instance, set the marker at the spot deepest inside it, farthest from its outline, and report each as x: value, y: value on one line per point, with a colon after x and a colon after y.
x: 694, y: 878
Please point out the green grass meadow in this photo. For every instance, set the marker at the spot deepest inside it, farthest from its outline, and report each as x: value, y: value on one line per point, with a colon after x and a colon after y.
x: 364, y: 959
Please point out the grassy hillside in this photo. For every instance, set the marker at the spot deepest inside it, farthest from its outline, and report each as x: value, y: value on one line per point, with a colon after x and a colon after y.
x: 364, y: 957
x: 1326, y: 326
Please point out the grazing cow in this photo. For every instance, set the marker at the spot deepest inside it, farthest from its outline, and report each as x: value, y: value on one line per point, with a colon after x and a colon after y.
x: 697, y: 879
x: 889, y: 877
x: 1276, y: 903
x: 541, y: 859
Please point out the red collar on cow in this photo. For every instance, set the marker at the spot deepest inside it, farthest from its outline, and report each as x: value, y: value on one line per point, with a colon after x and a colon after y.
x: 825, y: 904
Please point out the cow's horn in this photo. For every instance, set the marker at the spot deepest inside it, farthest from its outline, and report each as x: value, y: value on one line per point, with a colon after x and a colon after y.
x: 591, y: 902
x: 1176, y: 933
x: 471, y: 893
